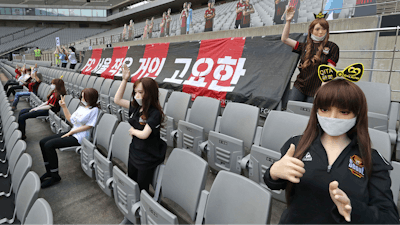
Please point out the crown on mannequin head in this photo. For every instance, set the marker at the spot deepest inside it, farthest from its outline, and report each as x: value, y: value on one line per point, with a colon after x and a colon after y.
x: 320, y: 15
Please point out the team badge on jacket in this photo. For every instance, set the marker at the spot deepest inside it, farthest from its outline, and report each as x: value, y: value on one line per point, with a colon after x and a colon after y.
x: 356, y: 166
x: 307, y: 157
x: 142, y: 120
x: 326, y: 50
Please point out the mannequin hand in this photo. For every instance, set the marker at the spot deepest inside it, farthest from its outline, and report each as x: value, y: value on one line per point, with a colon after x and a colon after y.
x: 341, y: 200
x: 62, y: 101
x: 66, y: 135
x: 126, y: 73
x: 32, y: 110
x: 290, y: 13
x: 288, y: 167
x: 132, y: 131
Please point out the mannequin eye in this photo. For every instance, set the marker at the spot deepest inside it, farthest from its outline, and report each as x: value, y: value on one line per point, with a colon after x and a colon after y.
x: 345, y: 112
x: 323, y: 110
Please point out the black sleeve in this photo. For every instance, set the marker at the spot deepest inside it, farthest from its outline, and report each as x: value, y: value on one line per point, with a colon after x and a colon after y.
x: 380, y: 208
x: 298, y: 48
x: 280, y: 183
x: 154, y: 119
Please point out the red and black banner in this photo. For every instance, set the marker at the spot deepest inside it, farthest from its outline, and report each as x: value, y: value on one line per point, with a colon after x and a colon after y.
x: 252, y: 70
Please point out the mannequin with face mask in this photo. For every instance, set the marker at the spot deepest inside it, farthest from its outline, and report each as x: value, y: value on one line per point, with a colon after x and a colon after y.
x: 316, y: 51
x: 23, y: 80
x: 147, y: 150
x: 330, y: 173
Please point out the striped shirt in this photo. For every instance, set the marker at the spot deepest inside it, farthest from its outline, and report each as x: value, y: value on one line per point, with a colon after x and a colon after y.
x: 53, y: 102
x: 307, y: 81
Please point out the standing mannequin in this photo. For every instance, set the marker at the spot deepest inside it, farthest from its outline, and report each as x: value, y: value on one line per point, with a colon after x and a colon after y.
x: 248, y: 9
x: 239, y: 14
x: 151, y: 27
x: 145, y: 30
x: 189, y: 18
x: 316, y: 51
x: 183, y: 18
x: 124, y: 33
x: 162, y: 25
x: 169, y: 19
x: 130, y: 30
x: 209, y: 17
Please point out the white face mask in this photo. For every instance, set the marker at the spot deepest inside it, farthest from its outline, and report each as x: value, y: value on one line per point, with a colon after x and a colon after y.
x: 336, y: 127
x: 138, y: 100
x: 53, y: 86
x: 84, y: 103
x: 316, y: 38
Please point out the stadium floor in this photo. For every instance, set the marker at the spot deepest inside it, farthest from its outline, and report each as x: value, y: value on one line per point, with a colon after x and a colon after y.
x: 77, y: 199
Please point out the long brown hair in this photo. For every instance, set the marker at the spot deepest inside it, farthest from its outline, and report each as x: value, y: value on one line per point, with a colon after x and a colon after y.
x: 150, y: 97
x: 91, y: 96
x: 344, y: 95
x: 309, y: 57
x: 60, y: 88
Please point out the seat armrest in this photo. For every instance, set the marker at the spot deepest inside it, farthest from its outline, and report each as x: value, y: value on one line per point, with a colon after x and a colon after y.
x: 245, y: 162
x: 202, y: 206
x: 218, y: 124
x: 257, y: 137
x: 204, y: 146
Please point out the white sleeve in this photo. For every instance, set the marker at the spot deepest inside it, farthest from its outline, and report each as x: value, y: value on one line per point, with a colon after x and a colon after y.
x: 92, y: 117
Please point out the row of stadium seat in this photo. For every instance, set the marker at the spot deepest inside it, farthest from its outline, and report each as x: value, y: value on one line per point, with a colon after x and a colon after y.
x: 20, y: 203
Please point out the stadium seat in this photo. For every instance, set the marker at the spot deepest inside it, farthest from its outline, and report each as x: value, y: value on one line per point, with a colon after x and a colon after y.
x: 22, y: 168
x: 72, y: 107
x: 40, y: 213
x: 76, y: 92
x: 175, y: 109
x: 278, y: 128
x: 9, y: 145
x: 228, y: 203
x: 54, y: 127
x: 163, y: 96
x: 82, y: 85
x: 380, y: 141
x: 24, y: 199
x: 124, y: 112
x: 201, y: 119
x: 101, y: 140
x: 104, y: 96
x: 230, y: 142
x: 12, y: 159
x: 103, y: 165
x: 183, y: 180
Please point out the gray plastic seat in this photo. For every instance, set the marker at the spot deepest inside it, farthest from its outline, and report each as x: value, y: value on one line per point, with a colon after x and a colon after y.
x: 114, y: 108
x: 102, y: 139
x: 25, y: 197
x: 394, y: 175
x: 120, y: 141
x: 183, y: 180
x: 163, y: 96
x: 71, y: 83
x: 40, y: 213
x: 201, y: 119
x: 175, y: 110
x: 82, y: 85
x: 301, y: 108
x: 231, y: 141
x: 22, y: 167
x: 234, y: 199
x: 91, y: 82
x: 104, y: 96
x: 16, y: 152
x: 54, y: 127
x: 278, y: 128
x: 127, y: 96
x: 380, y: 141
x: 98, y: 83
x: 11, y: 141
x: 75, y: 90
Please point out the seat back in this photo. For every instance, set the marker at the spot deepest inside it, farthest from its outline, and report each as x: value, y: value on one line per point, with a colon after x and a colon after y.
x: 184, y: 178
x: 204, y: 112
x: 97, y: 84
x: 120, y: 142
x: 91, y: 82
x: 17, y: 151
x: 163, y: 94
x: 27, y: 195
x: 245, y: 119
x: 301, y: 108
x: 105, y: 88
x: 279, y: 127
x: 378, y: 96
x: 127, y: 96
x: 178, y: 104
x: 228, y: 192
x: 105, y: 129
x: 394, y: 176
x: 40, y: 213
x: 12, y: 140
x: 147, y: 206
x: 68, y: 99
x: 73, y: 105
x: 380, y: 141
x: 83, y: 83
x: 23, y: 166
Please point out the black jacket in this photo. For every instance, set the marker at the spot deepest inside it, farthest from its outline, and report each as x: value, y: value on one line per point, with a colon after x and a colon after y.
x: 371, y: 197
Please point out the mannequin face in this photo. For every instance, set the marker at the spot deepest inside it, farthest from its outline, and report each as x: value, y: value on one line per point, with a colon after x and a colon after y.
x: 337, y: 113
x: 319, y: 31
x: 209, y: 5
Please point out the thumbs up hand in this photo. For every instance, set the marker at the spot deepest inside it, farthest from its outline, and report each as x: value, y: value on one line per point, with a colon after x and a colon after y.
x: 288, y: 167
